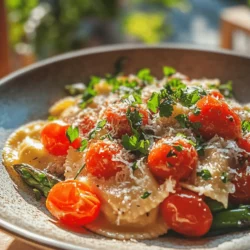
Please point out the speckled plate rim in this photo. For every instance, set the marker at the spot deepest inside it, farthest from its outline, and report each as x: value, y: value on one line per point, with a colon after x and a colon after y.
x: 34, y: 237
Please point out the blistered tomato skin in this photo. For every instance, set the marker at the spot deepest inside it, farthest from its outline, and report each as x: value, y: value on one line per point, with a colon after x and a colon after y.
x: 100, y: 159
x: 244, y: 143
x: 117, y: 118
x: 216, y: 94
x: 54, y: 139
x: 178, y: 159
x: 73, y: 203
x: 216, y: 118
x: 241, y: 181
x: 186, y: 213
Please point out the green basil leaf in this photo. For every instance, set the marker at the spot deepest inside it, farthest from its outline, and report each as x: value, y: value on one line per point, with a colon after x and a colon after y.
x: 154, y: 102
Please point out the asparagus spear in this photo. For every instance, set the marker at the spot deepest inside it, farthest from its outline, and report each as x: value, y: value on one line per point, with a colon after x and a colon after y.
x: 40, y: 181
x: 231, y: 219
x: 216, y: 206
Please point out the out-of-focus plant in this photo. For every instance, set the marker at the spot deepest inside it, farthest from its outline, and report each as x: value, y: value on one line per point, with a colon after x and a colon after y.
x: 150, y: 22
x: 55, y: 26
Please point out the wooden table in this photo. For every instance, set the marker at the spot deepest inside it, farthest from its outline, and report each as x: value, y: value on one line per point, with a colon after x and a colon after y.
x: 8, y: 242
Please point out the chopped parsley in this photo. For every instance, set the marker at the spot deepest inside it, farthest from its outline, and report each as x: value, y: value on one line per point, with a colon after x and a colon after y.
x: 134, y: 166
x: 154, y: 102
x: 174, y: 85
x: 204, y: 174
x: 72, y: 133
x: 226, y: 89
x: 196, y: 111
x: 179, y: 148
x: 84, y: 144
x: 136, y: 142
x: 87, y: 97
x: 245, y: 125
x: 166, y: 108
x: 224, y: 177
x: 145, y: 75
x: 168, y: 71
x: 146, y: 195
x: 100, y: 125
x: 183, y: 120
x: 189, y: 96
x: 132, y: 99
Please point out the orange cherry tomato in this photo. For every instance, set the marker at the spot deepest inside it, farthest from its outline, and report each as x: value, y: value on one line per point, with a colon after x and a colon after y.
x: 100, y: 160
x: 54, y: 139
x: 73, y: 203
x: 116, y: 116
x: 178, y: 159
x: 241, y: 180
x: 186, y: 213
x: 87, y: 124
x: 216, y: 117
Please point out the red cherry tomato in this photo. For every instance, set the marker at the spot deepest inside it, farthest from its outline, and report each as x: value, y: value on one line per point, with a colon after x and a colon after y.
x: 244, y: 143
x: 54, y: 139
x: 100, y: 160
x: 178, y: 159
x: 241, y: 180
x: 116, y: 116
x: 73, y: 203
x: 216, y: 117
x: 186, y: 213
x: 87, y: 124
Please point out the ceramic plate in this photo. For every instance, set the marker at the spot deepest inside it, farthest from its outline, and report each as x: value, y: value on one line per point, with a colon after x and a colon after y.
x: 27, y: 94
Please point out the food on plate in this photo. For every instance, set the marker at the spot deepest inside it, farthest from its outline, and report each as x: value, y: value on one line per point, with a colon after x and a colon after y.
x: 134, y: 156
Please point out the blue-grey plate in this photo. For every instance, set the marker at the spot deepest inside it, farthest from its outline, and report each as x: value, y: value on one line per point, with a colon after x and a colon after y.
x: 27, y: 94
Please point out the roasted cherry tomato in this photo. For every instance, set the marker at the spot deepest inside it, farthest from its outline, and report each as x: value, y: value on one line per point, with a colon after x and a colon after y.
x: 117, y: 118
x: 100, y: 159
x: 216, y: 117
x: 244, y: 143
x: 216, y: 94
x: 87, y: 124
x: 73, y: 203
x: 177, y: 159
x: 241, y: 180
x: 54, y: 139
x: 186, y: 213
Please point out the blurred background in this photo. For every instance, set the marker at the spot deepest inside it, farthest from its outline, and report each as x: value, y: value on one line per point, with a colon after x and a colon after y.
x: 31, y: 30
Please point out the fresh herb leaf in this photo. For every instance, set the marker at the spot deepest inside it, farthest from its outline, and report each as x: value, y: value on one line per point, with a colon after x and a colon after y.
x: 226, y: 89
x: 204, y: 174
x: 189, y: 96
x: 183, y: 120
x: 133, y: 99
x: 72, y: 133
x: 171, y: 153
x: 179, y: 148
x: 245, y: 125
x: 146, y: 195
x: 84, y: 144
x: 100, y: 125
x: 196, y: 111
x: 133, y: 143
x: 174, y: 85
x: 154, y: 102
x: 75, y: 89
x: 79, y: 171
x: 168, y: 71
x: 145, y: 75
x: 166, y: 108
x: 224, y: 177
x: 134, y: 166
x: 87, y: 97
x: 134, y: 118
x: 52, y: 118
